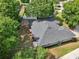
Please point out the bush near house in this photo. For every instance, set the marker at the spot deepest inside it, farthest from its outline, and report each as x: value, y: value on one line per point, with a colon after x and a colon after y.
x: 71, y: 13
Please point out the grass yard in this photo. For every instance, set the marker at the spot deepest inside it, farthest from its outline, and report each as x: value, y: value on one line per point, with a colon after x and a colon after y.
x: 63, y: 49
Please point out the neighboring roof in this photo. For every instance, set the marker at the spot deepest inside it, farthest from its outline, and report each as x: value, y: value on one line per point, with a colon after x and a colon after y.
x: 50, y: 32
x: 72, y: 55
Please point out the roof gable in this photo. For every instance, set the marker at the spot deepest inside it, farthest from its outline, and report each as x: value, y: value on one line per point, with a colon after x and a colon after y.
x: 52, y: 36
x: 39, y: 28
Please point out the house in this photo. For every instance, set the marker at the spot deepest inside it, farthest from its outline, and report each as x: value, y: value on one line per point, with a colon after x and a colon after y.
x: 49, y: 33
x: 72, y: 55
x: 46, y: 33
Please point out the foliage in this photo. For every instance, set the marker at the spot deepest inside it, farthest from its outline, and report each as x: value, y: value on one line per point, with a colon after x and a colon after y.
x: 9, y: 8
x: 26, y: 53
x: 25, y: 1
x: 8, y: 35
x: 40, y: 8
x: 41, y: 53
x: 31, y: 53
x: 56, y: 1
x: 71, y: 13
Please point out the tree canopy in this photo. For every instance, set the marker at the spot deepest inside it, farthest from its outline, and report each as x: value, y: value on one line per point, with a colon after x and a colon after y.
x: 8, y: 26
x: 40, y: 8
x: 8, y: 35
x: 71, y: 13
x: 10, y: 40
x: 25, y: 1
x: 9, y: 8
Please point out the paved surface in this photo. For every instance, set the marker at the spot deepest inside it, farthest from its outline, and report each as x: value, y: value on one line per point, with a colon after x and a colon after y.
x: 72, y: 55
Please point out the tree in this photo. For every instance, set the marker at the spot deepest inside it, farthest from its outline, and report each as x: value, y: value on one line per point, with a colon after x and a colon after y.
x: 25, y: 1
x: 10, y: 42
x: 71, y: 13
x: 9, y: 8
x: 8, y: 35
x: 40, y: 8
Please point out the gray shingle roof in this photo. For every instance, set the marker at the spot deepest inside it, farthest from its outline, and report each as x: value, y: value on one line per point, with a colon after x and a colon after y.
x: 39, y: 28
x: 52, y: 36
x: 77, y: 28
x: 50, y: 33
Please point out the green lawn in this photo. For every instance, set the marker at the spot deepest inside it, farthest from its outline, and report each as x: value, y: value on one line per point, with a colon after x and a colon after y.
x: 64, y: 49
